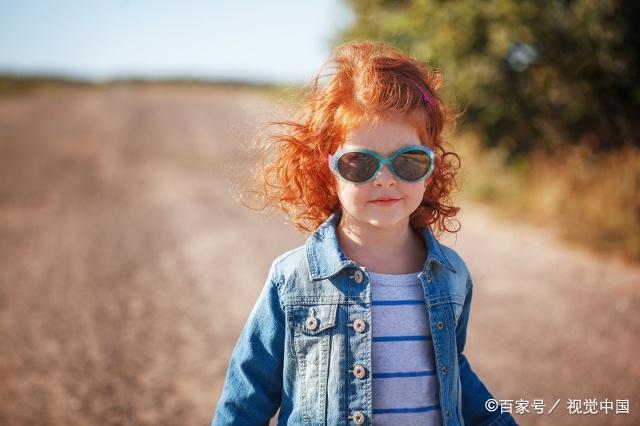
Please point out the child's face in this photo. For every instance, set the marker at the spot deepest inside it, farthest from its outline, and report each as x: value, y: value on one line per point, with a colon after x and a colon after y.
x: 357, y: 199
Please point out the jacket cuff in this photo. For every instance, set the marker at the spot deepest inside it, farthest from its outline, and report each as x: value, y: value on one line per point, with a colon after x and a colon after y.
x: 504, y: 419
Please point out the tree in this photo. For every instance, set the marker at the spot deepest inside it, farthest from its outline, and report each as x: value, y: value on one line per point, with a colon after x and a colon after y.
x: 529, y: 74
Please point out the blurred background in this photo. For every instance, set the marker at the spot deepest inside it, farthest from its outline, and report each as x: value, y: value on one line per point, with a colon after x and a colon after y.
x: 127, y: 269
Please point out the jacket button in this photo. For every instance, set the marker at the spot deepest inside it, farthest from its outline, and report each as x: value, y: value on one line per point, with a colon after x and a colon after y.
x: 359, y: 325
x: 358, y: 417
x: 429, y: 277
x: 359, y: 371
x: 312, y: 323
x: 358, y: 276
x: 447, y: 414
x: 440, y: 325
x: 444, y: 369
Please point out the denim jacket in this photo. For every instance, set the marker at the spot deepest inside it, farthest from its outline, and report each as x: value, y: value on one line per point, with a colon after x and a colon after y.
x: 299, y: 346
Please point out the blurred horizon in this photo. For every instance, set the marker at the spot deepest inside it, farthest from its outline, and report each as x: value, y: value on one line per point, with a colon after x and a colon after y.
x: 99, y: 42
x: 134, y: 247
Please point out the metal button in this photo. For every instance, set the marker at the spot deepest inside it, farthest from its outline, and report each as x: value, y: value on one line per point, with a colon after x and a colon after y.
x: 359, y: 325
x: 444, y: 369
x: 359, y: 371
x: 429, y: 277
x: 358, y: 276
x: 440, y: 325
x: 447, y: 414
x: 312, y: 323
x: 358, y: 417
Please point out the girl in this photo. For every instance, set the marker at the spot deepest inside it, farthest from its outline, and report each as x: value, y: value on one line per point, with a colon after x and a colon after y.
x: 366, y: 322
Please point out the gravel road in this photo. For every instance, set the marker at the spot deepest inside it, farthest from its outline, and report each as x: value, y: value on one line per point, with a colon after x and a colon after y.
x: 127, y: 270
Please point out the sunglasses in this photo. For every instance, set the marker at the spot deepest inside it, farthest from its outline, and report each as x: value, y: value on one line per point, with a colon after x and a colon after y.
x: 359, y: 165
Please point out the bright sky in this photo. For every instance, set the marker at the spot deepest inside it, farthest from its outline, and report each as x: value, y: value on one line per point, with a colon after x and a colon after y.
x: 273, y: 40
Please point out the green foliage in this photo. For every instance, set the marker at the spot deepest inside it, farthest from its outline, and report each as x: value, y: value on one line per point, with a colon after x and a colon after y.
x: 529, y: 74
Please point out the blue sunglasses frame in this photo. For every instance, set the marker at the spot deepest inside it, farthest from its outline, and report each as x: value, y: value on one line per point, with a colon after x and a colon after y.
x: 335, y: 158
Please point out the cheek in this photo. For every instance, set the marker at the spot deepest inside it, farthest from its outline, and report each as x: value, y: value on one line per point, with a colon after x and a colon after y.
x: 352, y: 195
x: 415, y: 192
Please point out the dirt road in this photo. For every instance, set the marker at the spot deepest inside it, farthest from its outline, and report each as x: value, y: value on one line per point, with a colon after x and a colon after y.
x: 127, y: 270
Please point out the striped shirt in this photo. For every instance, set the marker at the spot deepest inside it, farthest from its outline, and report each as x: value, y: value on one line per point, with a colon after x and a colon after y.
x: 405, y: 382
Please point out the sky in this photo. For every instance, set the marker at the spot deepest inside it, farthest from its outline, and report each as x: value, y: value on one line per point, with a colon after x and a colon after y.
x: 268, y: 41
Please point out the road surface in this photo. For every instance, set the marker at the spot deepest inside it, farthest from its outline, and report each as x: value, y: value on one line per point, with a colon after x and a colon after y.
x: 127, y: 270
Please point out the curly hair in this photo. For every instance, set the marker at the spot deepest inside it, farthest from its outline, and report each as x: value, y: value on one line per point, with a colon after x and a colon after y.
x: 368, y: 80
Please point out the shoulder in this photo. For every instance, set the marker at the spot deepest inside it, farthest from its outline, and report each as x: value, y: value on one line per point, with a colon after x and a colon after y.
x: 455, y: 259
x: 462, y: 274
x: 288, y: 265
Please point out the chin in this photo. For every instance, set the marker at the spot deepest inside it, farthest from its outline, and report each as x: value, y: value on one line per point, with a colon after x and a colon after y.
x: 378, y: 217
x: 384, y: 221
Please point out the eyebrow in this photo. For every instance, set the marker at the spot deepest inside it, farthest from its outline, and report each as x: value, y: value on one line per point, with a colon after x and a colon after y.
x: 348, y: 146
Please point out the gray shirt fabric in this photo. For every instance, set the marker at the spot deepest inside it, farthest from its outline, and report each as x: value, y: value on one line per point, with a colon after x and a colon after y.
x: 405, y: 382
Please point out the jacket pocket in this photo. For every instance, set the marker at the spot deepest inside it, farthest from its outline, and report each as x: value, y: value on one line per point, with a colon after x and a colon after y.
x: 457, y: 302
x: 313, y: 328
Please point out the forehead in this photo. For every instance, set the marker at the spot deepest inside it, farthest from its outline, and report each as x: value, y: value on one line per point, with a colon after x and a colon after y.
x: 386, y: 134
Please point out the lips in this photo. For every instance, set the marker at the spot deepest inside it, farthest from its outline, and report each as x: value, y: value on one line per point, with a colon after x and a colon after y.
x: 385, y: 199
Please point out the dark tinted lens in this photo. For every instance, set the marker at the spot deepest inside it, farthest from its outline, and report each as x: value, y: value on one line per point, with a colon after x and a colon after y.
x: 412, y: 165
x: 357, y: 166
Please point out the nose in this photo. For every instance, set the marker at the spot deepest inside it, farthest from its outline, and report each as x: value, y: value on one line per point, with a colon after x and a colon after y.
x: 385, y: 178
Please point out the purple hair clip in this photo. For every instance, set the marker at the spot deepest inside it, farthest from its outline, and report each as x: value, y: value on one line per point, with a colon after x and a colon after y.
x: 428, y: 99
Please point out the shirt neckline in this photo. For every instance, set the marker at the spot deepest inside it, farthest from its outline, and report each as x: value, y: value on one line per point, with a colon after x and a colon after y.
x: 394, y: 279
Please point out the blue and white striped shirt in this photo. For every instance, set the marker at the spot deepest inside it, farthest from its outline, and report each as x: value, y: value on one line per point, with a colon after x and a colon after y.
x: 405, y: 381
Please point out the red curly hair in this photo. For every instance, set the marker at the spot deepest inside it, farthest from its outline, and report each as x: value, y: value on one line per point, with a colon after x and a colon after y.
x: 368, y: 80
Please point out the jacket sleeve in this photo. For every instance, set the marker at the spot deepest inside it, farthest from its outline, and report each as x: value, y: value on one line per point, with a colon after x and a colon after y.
x: 474, y: 392
x: 253, y: 387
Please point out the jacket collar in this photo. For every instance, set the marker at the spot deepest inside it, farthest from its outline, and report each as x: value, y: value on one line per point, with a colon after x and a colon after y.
x: 325, y: 258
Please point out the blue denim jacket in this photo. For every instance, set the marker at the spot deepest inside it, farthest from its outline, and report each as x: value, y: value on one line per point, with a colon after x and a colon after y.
x: 298, y: 347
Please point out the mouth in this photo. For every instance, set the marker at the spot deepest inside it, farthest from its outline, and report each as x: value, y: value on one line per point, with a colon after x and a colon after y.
x: 385, y: 201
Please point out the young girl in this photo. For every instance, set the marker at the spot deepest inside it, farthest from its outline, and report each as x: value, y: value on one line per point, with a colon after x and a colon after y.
x: 365, y: 323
